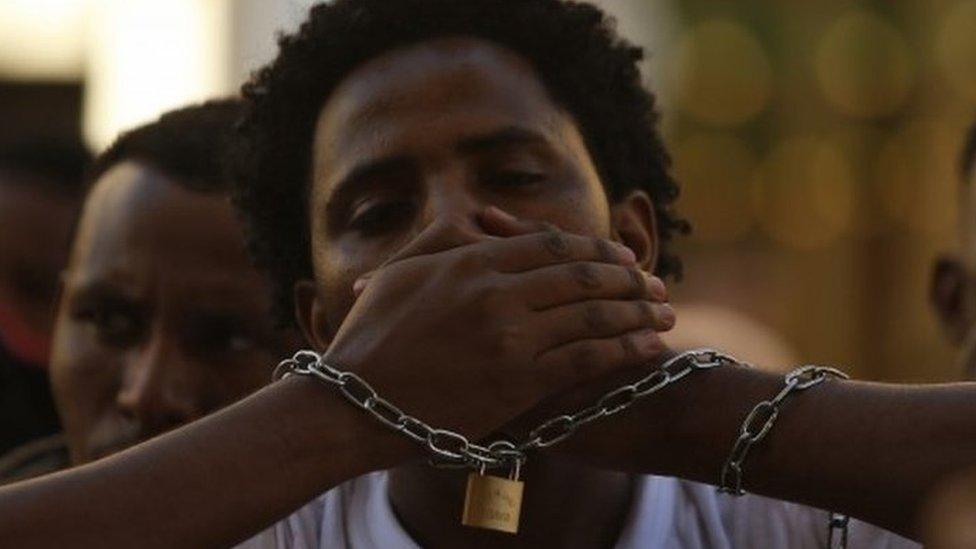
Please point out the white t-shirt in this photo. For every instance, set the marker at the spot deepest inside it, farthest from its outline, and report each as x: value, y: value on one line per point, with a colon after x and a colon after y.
x: 668, y: 513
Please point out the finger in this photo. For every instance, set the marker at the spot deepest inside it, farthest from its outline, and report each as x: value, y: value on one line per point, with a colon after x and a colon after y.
x: 498, y: 222
x: 360, y: 284
x: 442, y: 234
x: 599, y: 318
x: 531, y: 251
x: 584, y: 360
x: 578, y: 281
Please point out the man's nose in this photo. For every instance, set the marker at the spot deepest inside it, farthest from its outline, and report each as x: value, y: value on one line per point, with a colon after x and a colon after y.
x: 451, y: 211
x: 155, y: 389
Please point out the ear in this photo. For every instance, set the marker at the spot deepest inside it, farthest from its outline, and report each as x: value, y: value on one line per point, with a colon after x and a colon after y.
x: 310, y: 314
x: 635, y: 225
x: 948, y: 292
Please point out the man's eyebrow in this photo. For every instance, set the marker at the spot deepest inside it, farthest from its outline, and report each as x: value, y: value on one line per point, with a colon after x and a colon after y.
x: 364, y: 172
x: 504, y: 137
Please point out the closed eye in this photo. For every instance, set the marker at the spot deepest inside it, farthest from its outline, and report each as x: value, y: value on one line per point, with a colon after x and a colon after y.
x: 381, y: 216
x: 514, y: 178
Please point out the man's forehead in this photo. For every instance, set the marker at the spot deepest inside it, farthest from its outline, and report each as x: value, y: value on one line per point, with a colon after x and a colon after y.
x: 446, y: 70
x: 136, y: 216
x: 430, y: 87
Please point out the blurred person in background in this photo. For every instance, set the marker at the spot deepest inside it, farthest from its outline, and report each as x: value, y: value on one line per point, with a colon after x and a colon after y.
x: 40, y: 190
x: 949, y: 517
x: 953, y: 290
x: 161, y: 319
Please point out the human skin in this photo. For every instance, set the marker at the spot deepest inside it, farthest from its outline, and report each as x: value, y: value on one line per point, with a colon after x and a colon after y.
x: 162, y: 318
x: 870, y: 450
x: 442, y: 131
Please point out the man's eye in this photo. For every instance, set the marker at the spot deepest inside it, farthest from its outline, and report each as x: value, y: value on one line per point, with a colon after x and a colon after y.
x: 112, y: 326
x: 514, y: 178
x: 220, y: 337
x: 381, y: 217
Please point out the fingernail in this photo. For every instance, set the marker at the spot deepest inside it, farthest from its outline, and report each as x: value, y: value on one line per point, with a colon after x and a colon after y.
x: 626, y: 254
x: 498, y: 212
x: 359, y: 285
x: 656, y: 287
x: 650, y: 342
x: 665, y: 315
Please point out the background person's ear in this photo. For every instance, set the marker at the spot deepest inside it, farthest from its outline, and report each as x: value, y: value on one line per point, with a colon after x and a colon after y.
x: 310, y: 315
x: 635, y: 226
x: 949, y: 292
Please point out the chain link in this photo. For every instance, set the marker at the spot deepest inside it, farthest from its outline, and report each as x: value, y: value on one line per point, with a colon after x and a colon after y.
x: 761, y: 418
x: 450, y: 449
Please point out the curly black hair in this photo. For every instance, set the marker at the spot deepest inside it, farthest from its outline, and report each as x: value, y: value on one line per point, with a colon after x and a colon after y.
x: 588, y: 70
x: 191, y: 145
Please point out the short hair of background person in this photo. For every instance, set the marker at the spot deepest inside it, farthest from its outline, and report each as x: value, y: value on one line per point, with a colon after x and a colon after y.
x: 586, y: 68
x: 953, y: 290
x: 162, y: 318
x: 41, y: 182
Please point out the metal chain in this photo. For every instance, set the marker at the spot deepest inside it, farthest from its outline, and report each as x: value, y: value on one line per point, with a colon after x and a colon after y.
x: 760, y: 420
x: 757, y: 425
x: 450, y: 449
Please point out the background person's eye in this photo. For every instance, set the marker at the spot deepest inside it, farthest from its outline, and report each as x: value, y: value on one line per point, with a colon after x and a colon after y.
x: 220, y: 336
x: 112, y: 326
x: 380, y: 217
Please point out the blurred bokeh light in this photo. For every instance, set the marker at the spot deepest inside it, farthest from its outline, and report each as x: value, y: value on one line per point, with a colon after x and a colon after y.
x: 864, y: 65
x: 715, y: 170
x: 722, y: 76
x: 915, y: 179
x: 955, y: 48
x: 802, y: 192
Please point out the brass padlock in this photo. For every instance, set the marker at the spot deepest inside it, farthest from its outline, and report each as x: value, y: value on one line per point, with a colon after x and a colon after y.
x: 493, y: 502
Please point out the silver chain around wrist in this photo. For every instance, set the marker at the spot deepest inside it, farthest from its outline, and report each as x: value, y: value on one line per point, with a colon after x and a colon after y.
x: 761, y: 419
x: 450, y: 449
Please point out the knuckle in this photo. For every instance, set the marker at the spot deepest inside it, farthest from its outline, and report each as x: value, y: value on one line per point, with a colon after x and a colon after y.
x: 506, y: 341
x: 603, y: 250
x: 637, y: 283
x: 585, y: 274
x: 629, y: 346
x: 595, y: 316
x: 555, y: 243
x: 645, y: 312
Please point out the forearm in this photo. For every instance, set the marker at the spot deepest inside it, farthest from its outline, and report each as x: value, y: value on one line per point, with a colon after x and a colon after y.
x: 869, y: 450
x: 212, y: 483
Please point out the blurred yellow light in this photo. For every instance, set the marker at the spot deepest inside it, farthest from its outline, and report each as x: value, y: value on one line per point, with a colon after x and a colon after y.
x: 803, y: 192
x: 721, y: 73
x: 714, y: 172
x: 149, y: 56
x: 915, y: 176
x: 42, y: 39
x: 864, y: 66
x: 955, y: 47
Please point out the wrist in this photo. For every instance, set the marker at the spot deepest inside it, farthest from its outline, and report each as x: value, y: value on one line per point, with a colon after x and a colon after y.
x: 339, y: 436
